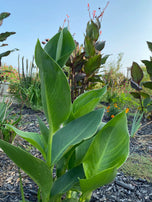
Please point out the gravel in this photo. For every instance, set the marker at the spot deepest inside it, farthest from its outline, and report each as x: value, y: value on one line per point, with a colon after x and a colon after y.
x: 123, y: 189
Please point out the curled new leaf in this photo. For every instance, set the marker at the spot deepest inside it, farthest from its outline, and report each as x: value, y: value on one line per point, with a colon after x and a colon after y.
x: 99, y: 45
x: 60, y: 46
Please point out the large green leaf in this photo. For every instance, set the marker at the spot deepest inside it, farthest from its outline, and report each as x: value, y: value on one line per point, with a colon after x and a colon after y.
x: 147, y: 84
x: 136, y: 73
x: 149, y: 108
x: 146, y: 101
x: 145, y: 95
x: 135, y: 95
x: 108, y: 150
x: 92, y: 31
x: 75, y: 132
x: 148, y: 65
x: 89, y: 47
x: 34, y: 167
x: 66, y: 181
x: 60, y: 47
x: 87, y: 102
x: 44, y: 130
x: 34, y: 138
x: 81, y: 150
x: 92, y: 64
x: 55, y: 89
x: 103, y: 178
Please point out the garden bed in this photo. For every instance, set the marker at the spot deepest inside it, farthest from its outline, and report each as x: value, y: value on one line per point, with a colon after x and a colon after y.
x: 129, y: 185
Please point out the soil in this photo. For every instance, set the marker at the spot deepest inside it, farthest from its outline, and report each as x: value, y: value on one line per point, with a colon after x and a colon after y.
x: 123, y: 189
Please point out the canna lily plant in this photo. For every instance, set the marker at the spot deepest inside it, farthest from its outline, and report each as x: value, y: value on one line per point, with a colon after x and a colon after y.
x: 80, y: 152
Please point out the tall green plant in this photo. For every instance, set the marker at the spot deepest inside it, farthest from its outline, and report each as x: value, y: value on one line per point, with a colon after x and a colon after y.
x: 86, y: 60
x: 85, y: 152
x: 139, y: 86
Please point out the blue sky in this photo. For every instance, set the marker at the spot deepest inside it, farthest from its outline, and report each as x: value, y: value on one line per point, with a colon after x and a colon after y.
x: 126, y: 25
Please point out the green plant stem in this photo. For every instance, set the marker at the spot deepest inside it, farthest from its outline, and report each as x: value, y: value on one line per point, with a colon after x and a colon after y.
x: 142, y: 109
x: 85, y: 197
x: 21, y: 186
x: 39, y: 195
x: 49, y: 149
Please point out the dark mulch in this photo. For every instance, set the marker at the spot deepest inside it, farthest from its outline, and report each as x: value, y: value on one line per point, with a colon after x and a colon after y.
x: 123, y: 189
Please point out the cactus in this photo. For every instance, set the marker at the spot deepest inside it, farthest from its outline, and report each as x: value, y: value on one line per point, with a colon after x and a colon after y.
x: 3, y: 36
x: 137, y: 84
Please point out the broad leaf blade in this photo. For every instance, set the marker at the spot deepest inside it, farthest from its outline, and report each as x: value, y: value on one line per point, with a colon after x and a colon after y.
x: 107, y: 152
x: 136, y: 73
x: 89, y: 47
x: 59, y: 46
x: 55, y: 89
x: 34, y: 138
x: 87, y: 101
x: 34, y: 167
x: 44, y: 130
x: 110, y: 147
x: 103, y: 178
x: 147, y: 84
x: 135, y: 95
x: 92, y: 31
x: 68, y: 45
x: 75, y: 132
x: 148, y: 65
x: 67, y: 181
x: 92, y: 64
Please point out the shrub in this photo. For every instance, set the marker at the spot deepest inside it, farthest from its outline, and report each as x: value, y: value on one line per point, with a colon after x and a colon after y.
x: 84, y: 151
x: 139, y: 87
x: 7, y: 134
x: 27, y: 89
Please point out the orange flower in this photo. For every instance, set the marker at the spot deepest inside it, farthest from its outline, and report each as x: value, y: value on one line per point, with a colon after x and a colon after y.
x: 127, y: 110
x: 107, y: 110
x: 112, y: 116
x: 108, y: 107
x: 115, y: 105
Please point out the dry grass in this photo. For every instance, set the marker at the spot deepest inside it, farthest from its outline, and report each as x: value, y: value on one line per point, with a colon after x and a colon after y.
x: 138, y: 166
